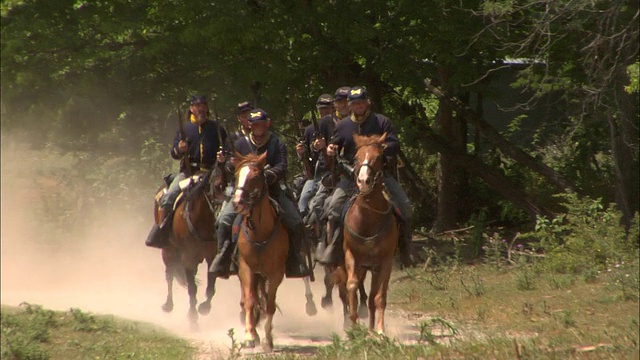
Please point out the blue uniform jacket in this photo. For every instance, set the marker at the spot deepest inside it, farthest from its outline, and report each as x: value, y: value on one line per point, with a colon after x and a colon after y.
x: 375, y: 124
x: 204, y: 144
x: 276, y: 156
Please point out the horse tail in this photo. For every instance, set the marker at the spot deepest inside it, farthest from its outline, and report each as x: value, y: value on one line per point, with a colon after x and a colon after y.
x: 181, y: 275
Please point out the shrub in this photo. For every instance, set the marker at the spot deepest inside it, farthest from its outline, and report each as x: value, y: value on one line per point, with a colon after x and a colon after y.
x: 585, y: 239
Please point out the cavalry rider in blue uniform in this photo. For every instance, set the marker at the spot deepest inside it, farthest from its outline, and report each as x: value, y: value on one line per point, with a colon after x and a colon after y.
x: 203, y: 138
x: 312, y: 144
x: 363, y: 121
x: 339, y: 110
x: 258, y: 141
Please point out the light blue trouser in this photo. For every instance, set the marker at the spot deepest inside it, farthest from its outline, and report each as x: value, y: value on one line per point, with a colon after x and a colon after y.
x: 174, y: 190
x: 308, y: 191
x: 346, y: 186
x: 318, y: 202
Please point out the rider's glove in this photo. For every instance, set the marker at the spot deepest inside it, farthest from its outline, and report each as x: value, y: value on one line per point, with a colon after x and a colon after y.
x: 270, y: 177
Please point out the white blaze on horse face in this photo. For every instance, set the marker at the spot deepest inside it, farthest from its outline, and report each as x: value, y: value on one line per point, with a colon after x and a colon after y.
x: 364, y: 170
x: 242, y: 179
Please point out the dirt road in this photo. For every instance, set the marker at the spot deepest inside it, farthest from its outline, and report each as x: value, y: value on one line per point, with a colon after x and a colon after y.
x: 108, y: 270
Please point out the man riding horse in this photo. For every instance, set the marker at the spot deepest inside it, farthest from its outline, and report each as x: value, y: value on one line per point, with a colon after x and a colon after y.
x: 363, y: 121
x: 261, y: 140
x: 196, y: 144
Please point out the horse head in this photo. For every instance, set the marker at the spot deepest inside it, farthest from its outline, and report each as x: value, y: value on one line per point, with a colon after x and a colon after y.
x: 369, y: 161
x: 250, y: 182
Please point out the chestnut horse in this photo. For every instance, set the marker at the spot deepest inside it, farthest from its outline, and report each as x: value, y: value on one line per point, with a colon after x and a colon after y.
x: 263, y: 245
x: 193, y: 240
x: 370, y: 232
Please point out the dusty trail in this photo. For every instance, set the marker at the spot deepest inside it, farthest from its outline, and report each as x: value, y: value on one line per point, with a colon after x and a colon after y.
x: 110, y: 271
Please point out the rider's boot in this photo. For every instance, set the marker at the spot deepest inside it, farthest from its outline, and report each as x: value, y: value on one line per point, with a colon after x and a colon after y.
x: 220, y: 266
x: 333, y: 254
x: 408, y: 257
x: 159, y: 235
x: 296, y: 266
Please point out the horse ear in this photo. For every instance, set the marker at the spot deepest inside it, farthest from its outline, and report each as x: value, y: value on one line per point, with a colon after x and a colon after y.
x: 262, y: 159
x: 382, y: 139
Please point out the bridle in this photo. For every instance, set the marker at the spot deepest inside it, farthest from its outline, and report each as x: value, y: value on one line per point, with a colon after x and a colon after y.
x: 253, y: 197
x: 377, y: 177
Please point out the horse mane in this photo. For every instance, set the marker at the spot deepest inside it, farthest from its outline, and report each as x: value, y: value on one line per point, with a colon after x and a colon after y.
x: 362, y: 140
x: 244, y: 159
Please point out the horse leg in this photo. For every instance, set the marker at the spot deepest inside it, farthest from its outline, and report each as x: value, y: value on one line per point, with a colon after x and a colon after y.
x: 354, y: 278
x: 261, y: 296
x: 247, y: 281
x: 378, y: 297
x: 310, y: 306
x: 272, y: 288
x: 168, y: 275
x: 363, y: 310
x: 192, y: 289
x: 327, y: 299
x: 205, y: 307
x: 342, y: 293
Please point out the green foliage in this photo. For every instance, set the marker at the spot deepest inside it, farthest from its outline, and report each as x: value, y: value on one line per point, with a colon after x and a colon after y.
x: 34, y: 333
x: 360, y: 343
x: 587, y: 238
x: 633, y: 71
x: 87, y: 322
x: 234, y: 350
x: 22, y: 338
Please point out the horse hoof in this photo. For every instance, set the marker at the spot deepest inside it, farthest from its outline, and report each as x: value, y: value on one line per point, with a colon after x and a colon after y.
x: 249, y: 344
x: 167, y: 307
x: 326, y: 303
x: 363, y: 311
x: 311, y: 308
x: 204, y: 308
x: 267, y: 346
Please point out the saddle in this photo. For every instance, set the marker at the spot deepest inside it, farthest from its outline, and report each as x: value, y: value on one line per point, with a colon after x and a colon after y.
x: 188, y: 187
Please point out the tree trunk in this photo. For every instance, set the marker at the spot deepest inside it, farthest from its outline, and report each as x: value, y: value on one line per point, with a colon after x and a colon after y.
x: 503, y: 144
x: 623, y: 130
x: 495, y: 179
x: 450, y: 176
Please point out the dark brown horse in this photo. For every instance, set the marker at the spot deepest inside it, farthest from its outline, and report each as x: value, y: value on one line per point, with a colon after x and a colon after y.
x: 370, y: 233
x: 192, y: 240
x: 263, y: 245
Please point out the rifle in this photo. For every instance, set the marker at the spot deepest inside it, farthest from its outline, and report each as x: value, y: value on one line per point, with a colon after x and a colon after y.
x: 185, y: 156
x: 217, y: 119
x: 308, y: 170
x: 329, y: 161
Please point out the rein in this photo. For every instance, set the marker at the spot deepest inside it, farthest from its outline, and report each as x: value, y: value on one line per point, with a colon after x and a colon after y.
x: 385, y: 225
x: 261, y: 244
x: 253, y: 199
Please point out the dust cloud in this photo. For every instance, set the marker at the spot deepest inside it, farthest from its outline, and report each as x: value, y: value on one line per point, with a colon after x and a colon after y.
x: 108, y: 270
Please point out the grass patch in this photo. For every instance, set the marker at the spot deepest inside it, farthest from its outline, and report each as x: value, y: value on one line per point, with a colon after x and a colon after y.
x: 31, y: 332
